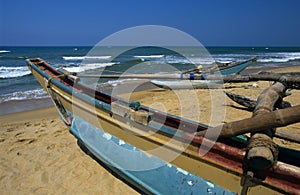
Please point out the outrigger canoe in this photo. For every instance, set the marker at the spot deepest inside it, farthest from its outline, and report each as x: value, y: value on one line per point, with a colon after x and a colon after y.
x: 125, y: 136
x: 224, y: 69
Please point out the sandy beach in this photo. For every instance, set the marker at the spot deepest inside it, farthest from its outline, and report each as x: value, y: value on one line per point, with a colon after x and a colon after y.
x: 40, y: 156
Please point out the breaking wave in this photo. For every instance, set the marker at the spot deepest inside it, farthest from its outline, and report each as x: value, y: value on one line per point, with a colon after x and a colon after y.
x: 22, y: 95
x: 4, y: 51
x: 76, y: 58
x: 91, y: 66
x: 12, y: 72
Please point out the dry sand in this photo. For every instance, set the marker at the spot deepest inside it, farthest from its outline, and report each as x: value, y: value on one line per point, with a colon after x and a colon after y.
x: 40, y: 156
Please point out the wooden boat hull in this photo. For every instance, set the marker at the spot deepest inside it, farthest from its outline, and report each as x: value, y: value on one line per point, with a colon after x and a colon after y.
x: 237, y: 67
x: 187, y: 84
x: 100, y: 129
x: 203, y: 84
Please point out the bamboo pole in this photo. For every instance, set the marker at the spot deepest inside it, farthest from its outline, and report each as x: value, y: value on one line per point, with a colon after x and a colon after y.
x: 136, y: 76
x: 265, y: 76
x: 293, y: 137
x: 251, y: 104
x: 291, y: 79
x: 274, y: 119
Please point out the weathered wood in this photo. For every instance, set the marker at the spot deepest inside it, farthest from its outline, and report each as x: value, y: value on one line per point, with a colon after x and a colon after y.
x: 277, y: 118
x: 263, y: 76
x: 293, y: 137
x: 250, y: 103
x: 261, y: 151
x: 245, y: 101
x: 292, y: 80
x: 267, y: 99
x: 136, y: 76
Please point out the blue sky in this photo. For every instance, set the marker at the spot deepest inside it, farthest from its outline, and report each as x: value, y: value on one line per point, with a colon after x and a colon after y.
x: 212, y: 22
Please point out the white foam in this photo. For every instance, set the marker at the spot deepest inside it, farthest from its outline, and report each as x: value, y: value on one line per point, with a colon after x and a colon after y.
x: 273, y: 60
x: 73, y: 57
x: 173, y: 59
x: 91, y: 66
x: 22, y: 95
x: 279, y: 57
x: 4, y: 51
x: 11, y: 72
x: 76, y: 58
x: 191, y: 60
x: 204, y: 60
x: 150, y: 56
x: 224, y: 59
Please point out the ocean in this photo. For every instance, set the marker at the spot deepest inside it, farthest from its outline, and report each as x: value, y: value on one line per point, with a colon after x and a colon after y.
x: 17, y: 82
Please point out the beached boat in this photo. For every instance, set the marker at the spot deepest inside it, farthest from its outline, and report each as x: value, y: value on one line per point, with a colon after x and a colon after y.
x: 224, y: 68
x: 187, y: 84
x: 126, y: 135
x: 221, y: 68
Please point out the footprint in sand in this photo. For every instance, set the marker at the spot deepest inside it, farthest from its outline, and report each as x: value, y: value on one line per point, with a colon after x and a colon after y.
x: 26, y: 141
x: 10, y: 129
x: 36, y: 124
x: 51, y: 147
x: 28, y: 124
x: 18, y: 134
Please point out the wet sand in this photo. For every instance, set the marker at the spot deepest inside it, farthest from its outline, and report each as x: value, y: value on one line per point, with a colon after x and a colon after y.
x: 40, y: 156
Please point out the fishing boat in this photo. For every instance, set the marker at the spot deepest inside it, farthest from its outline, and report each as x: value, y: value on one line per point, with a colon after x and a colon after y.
x: 218, y: 68
x: 126, y: 136
x: 224, y: 68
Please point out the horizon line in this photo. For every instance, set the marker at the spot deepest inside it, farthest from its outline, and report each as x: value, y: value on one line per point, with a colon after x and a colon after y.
x: 266, y: 46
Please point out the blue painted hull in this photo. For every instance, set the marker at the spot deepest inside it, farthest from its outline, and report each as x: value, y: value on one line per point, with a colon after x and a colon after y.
x: 166, y: 179
x: 236, y: 69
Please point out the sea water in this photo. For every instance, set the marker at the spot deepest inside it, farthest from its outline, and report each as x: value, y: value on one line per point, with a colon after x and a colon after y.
x: 17, y: 82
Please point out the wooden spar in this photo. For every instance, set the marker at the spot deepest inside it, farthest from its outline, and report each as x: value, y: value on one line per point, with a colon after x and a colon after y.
x: 292, y: 79
x: 262, y: 152
x: 277, y: 118
x: 136, y: 76
x: 293, y: 137
x: 263, y: 76
x: 251, y: 104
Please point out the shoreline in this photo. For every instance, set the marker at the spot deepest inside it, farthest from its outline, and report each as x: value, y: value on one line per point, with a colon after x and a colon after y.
x: 15, y: 106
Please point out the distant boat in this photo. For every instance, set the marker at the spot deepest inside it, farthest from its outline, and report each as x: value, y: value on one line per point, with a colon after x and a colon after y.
x: 124, y: 135
x: 225, y: 68
x: 218, y: 68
